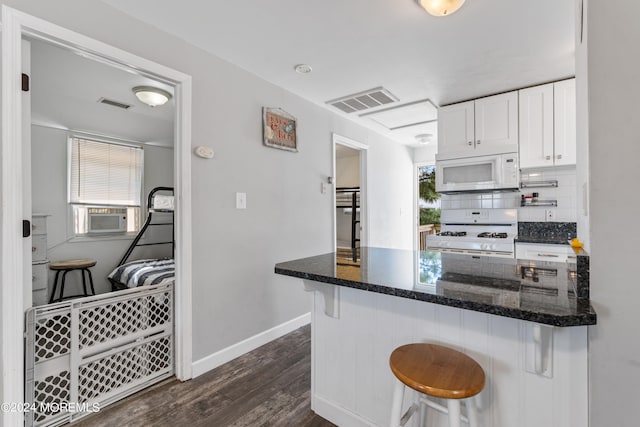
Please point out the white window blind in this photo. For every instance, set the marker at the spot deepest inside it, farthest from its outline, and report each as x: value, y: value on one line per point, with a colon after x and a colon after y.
x: 105, y: 174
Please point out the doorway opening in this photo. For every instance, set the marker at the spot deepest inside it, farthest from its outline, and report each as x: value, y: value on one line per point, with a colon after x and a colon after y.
x: 17, y: 191
x: 349, y: 177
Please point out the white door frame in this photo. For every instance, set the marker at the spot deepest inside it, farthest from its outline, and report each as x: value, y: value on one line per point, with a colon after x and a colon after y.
x: 15, y: 24
x: 364, y: 216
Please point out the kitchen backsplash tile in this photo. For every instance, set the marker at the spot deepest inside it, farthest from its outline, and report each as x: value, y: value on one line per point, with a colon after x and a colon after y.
x: 565, y: 194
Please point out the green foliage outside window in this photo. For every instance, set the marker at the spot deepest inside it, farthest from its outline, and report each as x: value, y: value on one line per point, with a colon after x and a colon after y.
x: 428, y: 193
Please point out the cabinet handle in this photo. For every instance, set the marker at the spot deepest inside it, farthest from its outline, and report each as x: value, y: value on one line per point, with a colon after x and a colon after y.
x: 548, y: 157
x: 548, y: 255
x: 470, y: 142
x: 478, y: 142
x: 33, y: 248
x: 559, y: 156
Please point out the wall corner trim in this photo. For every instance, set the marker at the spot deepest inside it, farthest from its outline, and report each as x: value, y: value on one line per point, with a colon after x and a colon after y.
x: 225, y: 355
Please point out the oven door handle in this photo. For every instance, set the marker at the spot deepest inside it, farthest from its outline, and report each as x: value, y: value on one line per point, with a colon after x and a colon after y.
x: 549, y: 255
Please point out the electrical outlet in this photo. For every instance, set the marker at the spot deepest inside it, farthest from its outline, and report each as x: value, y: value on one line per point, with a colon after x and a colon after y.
x: 550, y: 215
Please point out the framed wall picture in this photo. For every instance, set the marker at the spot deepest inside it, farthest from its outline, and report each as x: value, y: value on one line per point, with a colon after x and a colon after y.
x: 279, y: 129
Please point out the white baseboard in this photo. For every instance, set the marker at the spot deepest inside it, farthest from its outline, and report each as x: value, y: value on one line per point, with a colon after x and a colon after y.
x: 225, y: 355
x: 338, y: 415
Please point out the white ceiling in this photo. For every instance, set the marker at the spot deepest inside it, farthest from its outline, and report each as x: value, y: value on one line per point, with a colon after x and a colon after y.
x: 488, y: 46
x: 66, y: 87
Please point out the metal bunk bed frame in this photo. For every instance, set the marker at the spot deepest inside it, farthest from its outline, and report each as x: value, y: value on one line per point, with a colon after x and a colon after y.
x: 355, y: 191
x: 148, y: 224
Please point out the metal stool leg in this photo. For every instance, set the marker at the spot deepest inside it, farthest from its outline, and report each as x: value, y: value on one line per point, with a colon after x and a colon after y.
x: 90, y: 281
x: 62, y: 282
x: 396, y: 408
x: 55, y: 287
x: 454, y: 412
x: 472, y: 411
x: 423, y: 414
x: 84, y: 282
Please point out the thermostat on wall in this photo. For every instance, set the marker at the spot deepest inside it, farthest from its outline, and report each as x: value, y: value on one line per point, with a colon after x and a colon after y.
x: 204, y: 152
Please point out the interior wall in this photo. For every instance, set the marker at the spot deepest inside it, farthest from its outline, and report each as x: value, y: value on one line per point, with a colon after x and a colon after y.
x: 425, y: 154
x: 614, y: 90
x: 582, y: 125
x: 348, y: 171
x: 49, y: 195
x: 235, y: 292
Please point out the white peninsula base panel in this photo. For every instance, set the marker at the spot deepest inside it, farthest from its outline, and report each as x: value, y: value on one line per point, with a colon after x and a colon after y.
x: 352, y: 383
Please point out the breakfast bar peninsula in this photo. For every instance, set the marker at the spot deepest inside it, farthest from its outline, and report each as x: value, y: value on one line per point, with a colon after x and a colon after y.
x: 524, y: 321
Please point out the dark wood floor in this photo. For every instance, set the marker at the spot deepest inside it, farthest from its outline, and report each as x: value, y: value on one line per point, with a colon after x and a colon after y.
x: 268, y: 387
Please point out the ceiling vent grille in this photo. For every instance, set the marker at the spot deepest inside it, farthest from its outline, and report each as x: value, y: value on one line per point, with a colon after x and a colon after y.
x: 114, y: 103
x: 366, y: 100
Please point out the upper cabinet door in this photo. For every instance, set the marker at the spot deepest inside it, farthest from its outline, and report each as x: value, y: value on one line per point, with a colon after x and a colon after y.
x: 497, y: 120
x: 536, y: 126
x: 565, y: 122
x: 455, y: 128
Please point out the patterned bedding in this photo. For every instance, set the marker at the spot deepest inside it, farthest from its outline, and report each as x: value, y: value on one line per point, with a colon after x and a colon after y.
x: 144, y: 272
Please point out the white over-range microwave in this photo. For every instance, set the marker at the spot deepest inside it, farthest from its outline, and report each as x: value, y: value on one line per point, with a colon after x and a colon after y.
x: 481, y: 173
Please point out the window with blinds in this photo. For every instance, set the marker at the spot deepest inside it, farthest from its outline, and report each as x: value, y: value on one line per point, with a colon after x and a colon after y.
x: 107, y: 176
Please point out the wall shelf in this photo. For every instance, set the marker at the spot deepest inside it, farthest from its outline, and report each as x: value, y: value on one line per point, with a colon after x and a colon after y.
x: 539, y: 184
x: 539, y: 203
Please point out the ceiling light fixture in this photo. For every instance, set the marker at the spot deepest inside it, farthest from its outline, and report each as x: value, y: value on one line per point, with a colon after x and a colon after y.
x: 424, y: 138
x: 152, y: 96
x: 440, y: 7
x: 303, y: 68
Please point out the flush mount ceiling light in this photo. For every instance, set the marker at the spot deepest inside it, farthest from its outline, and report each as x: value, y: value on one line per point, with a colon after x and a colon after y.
x: 152, y: 96
x: 440, y: 7
x: 303, y: 68
x: 424, y: 138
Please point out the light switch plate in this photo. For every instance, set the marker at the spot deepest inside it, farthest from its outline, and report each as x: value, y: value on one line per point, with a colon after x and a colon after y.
x: 241, y: 200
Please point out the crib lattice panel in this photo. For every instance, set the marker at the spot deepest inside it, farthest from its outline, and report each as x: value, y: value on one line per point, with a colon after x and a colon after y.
x: 96, y: 350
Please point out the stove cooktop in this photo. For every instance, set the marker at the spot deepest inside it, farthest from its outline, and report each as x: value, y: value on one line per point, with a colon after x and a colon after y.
x: 493, y: 235
x: 453, y: 233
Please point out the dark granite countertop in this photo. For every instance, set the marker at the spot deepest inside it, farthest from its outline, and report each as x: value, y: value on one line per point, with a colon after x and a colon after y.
x: 550, y: 233
x: 537, y: 291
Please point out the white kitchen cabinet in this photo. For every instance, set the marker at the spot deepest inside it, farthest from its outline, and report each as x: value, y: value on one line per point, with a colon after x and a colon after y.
x: 456, y: 127
x: 536, y: 126
x: 482, y: 125
x: 545, y: 252
x: 548, y: 125
x: 564, y: 119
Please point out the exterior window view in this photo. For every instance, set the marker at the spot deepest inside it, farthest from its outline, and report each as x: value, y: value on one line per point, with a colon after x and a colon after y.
x: 316, y: 214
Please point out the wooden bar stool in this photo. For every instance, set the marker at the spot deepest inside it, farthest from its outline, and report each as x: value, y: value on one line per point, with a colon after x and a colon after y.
x: 436, y: 371
x: 69, y: 265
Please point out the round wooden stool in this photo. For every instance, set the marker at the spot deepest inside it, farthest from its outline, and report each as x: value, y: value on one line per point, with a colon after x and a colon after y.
x: 436, y: 371
x: 69, y: 265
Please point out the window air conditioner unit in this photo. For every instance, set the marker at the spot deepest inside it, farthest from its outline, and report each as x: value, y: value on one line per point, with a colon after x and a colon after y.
x: 107, y: 220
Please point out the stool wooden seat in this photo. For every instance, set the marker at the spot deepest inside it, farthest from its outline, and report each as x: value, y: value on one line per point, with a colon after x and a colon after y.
x: 69, y: 265
x: 436, y: 371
